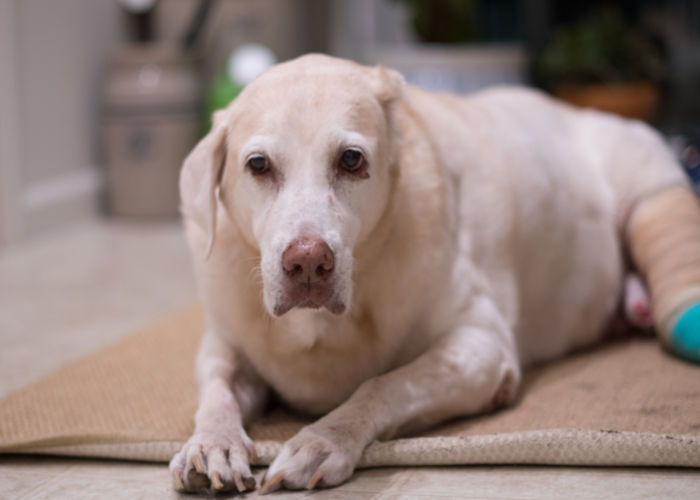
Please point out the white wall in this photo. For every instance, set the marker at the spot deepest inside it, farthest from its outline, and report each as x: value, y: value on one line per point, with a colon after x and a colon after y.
x: 51, y: 58
x: 9, y: 128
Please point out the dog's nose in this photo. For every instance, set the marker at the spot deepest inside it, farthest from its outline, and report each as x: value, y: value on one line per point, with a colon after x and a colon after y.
x: 308, y: 259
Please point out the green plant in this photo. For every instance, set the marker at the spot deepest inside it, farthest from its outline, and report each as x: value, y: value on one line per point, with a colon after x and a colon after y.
x: 445, y: 21
x: 599, y: 49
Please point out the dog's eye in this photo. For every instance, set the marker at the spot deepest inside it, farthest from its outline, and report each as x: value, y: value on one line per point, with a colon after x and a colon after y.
x: 258, y: 165
x: 352, y: 160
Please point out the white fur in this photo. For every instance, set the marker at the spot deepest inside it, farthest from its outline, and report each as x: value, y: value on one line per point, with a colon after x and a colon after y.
x: 487, y: 237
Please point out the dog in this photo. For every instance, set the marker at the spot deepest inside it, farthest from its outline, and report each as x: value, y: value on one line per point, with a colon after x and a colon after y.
x: 388, y: 258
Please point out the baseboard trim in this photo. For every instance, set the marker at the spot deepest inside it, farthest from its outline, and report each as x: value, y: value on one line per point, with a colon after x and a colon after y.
x: 77, y: 184
x: 60, y: 202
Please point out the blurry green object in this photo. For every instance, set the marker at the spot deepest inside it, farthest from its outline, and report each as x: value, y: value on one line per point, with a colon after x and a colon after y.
x: 598, y: 49
x: 223, y: 90
x: 243, y: 65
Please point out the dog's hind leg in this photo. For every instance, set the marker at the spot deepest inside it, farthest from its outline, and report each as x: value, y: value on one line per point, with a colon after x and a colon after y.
x: 658, y: 218
x: 663, y: 232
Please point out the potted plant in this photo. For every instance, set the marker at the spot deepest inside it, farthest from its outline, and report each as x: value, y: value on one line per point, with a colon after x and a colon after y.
x: 444, y: 21
x: 601, y: 63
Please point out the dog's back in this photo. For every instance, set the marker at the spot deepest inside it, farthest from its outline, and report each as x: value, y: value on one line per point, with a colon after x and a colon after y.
x: 543, y: 191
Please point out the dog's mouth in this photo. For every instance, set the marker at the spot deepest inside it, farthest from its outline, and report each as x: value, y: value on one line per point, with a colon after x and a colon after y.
x: 307, y: 295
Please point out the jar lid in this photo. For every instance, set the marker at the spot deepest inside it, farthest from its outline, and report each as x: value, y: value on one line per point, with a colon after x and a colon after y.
x: 148, y: 76
x: 138, y: 54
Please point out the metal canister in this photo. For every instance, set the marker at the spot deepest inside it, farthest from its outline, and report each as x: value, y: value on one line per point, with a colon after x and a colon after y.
x: 151, y: 120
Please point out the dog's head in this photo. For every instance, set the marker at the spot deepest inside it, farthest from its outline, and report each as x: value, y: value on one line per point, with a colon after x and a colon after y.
x: 303, y: 160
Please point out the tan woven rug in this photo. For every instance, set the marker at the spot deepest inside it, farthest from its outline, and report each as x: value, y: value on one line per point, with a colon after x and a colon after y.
x: 625, y: 403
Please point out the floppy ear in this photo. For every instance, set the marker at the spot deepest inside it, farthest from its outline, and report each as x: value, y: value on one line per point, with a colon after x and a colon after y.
x: 389, y: 84
x: 389, y: 87
x: 200, y: 177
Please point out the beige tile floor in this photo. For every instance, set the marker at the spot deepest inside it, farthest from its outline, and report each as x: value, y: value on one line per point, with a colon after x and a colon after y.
x: 69, y: 294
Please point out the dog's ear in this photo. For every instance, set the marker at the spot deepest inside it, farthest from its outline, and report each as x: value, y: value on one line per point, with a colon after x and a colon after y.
x: 200, y: 177
x: 389, y: 85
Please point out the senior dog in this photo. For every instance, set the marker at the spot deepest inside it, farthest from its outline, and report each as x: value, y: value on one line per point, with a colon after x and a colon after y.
x: 390, y: 258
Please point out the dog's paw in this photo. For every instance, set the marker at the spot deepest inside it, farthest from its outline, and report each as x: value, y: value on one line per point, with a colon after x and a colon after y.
x: 214, y: 463
x: 312, y: 459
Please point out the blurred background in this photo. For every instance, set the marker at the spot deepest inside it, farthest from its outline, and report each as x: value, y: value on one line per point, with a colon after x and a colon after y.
x: 101, y: 99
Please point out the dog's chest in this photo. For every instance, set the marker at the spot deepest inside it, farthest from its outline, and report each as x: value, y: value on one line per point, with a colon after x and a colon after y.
x: 316, y: 365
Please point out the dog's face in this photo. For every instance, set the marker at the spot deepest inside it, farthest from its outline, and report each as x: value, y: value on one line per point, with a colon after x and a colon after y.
x: 305, y: 168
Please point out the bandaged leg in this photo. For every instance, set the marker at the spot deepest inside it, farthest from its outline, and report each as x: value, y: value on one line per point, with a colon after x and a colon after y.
x: 664, y: 240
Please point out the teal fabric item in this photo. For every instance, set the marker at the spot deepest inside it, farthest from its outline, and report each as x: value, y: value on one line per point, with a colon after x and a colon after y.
x: 685, y: 336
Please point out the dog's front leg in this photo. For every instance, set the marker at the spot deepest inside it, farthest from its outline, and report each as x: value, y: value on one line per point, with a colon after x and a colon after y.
x: 217, y: 456
x: 474, y: 368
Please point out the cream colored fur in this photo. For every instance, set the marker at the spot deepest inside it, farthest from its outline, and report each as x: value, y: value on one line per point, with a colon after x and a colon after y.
x: 486, y: 237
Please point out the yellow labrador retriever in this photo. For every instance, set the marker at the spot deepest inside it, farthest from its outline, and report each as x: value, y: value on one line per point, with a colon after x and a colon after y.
x: 389, y: 258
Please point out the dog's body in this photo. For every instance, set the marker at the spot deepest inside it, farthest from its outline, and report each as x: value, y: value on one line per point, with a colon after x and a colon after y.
x: 480, y: 235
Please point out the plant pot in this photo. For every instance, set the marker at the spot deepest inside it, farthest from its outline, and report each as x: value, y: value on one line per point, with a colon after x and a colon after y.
x: 631, y: 100
x: 454, y: 68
